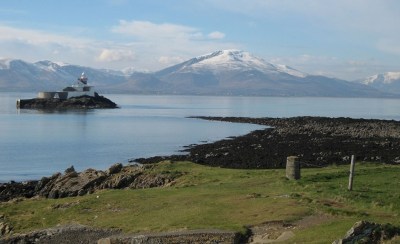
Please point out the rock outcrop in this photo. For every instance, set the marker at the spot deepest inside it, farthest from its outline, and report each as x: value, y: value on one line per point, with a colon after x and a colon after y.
x: 370, y: 233
x: 83, y: 102
x: 72, y: 183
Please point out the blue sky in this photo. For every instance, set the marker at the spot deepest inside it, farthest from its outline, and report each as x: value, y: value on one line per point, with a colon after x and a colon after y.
x: 337, y: 38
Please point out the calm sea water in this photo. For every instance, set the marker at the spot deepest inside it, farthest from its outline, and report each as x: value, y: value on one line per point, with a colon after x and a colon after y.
x: 35, y: 144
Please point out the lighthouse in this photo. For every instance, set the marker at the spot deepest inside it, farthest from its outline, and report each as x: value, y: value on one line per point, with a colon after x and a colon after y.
x: 83, y: 79
x: 80, y: 88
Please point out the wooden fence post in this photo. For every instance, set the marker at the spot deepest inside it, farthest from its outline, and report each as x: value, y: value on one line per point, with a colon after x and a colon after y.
x: 351, y: 173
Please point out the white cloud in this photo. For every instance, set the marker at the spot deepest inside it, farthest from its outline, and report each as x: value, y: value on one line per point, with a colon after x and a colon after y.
x: 110, y: 55
x: 34, y: 45
x: 146, y: 30
x: 150, y: 46
x: 216, y: 35
x: 165, y: 60
x: 160, y: 45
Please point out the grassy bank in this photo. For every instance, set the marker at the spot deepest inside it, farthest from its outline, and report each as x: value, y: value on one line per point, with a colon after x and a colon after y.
x: 215, y: 198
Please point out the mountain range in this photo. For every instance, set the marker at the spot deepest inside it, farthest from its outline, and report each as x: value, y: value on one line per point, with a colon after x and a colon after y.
x: 386, y: 82
x: 226, y: 72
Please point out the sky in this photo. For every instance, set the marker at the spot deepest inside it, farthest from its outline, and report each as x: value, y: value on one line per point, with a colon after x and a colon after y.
x: 336, y: 38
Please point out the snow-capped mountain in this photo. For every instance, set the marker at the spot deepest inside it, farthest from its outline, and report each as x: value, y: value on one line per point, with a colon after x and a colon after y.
x: 18, y: 75
x: 386, y: 82
x: 386, y: 78
x: 234, y: 72
x: 226, y: 72
x: 230, y: 60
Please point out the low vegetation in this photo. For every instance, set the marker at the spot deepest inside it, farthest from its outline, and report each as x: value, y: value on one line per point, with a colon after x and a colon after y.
x: 231, y: 199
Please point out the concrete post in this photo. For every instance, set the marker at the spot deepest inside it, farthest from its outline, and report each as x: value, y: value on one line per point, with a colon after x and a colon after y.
x: 292, y: 168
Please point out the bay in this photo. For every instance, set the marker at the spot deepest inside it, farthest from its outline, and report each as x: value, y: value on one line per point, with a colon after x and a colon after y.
x: 35, y: 144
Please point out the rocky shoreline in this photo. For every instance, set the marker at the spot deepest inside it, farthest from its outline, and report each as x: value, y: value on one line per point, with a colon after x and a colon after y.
x: 82, y: 102
x: 318, y: 141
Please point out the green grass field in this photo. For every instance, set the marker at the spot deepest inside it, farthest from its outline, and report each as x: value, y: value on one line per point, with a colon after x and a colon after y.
x: 216, y: 198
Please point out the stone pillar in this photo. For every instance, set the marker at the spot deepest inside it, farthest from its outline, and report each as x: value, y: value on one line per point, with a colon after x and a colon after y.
x: 292, y: 168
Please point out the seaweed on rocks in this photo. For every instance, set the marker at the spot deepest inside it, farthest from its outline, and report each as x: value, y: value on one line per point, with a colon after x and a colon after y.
x: 318, y: 141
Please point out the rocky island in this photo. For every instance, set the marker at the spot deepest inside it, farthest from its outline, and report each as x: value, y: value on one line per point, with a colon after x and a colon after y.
x: 78, y: 96
x: 82, y: 102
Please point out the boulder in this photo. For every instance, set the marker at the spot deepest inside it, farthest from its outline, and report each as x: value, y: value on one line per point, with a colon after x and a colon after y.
x: 115, y: 168
x: 70, y: 170
x: 369, y: 233
x: 17, y: 189
x: 72, y: 183
x: 123, y: 178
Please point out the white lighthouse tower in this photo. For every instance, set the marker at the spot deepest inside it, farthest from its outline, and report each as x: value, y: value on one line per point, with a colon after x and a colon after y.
x: 81, y: 88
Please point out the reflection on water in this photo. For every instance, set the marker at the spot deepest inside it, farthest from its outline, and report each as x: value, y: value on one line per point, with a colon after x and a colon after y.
x: 53, y: 111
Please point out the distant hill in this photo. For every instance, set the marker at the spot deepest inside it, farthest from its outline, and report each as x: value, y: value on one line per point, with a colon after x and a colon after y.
x: 226, y: 72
